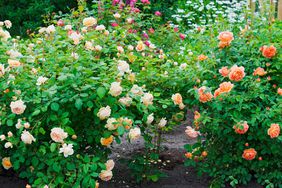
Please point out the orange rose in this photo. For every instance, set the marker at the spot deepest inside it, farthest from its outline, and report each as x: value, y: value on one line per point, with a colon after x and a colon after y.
x: 241, y: 127
x: 202, y: 57
x: 268, y: 52
x: 107, y: 141
x: 223, y: 44
x: 224, y: 71
x: 260, y: 72
x: 217, y: 92
x: 177, y: 99
x: 6, y: 163
x: 204, y: 154
x: 249, y: 154
x: 204, y: 96
x: 279, y: 91
x: 226, y: 37
x: 14, y: 63
x: 236, y: 73
x: 226, y: 87
x: 274, y: 130
x: 189, y: 155
x: 197, y: 115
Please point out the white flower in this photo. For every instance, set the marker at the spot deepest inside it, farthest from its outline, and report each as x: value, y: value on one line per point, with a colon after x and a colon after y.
x: 110, y: 164
x: 89, y: 45
x: 75, y: 37
x: 134, y: 134
x: 162, y: 123
x: 84, y: 29
x: 8, y: 145
x: 147, y: 99
x: 66, y: 149
x: 150, y: 119
x: 129, y: 20
x: 2, y: 70
x: 74, y: 55
x: 115, y: 89
x: 58, y: 134
x: 19, y: 124
x: 18, y: 107
x: 50, y: 29
x: 117, y: 15
x: 183, y: 66
x: 4, y: 34
x: 100, y: 27
x: 14, y: 54
x: 8, y: 24
x: 106, y: 175
x: 125, y: 101
x: 104, y: 112
x: 10, y: 134
x: 90, y: 21
x: 42, y: 30
x: 2, y: 137
x: 123, y: 67
x: 41, y: 80
x: 98, y: 48
x: 26, y: 125
x: 27, y: 138
x: 68, y: 27
x: 111, y: 124
x: 120, y: 49
x: 130, y: 47
x: 136, y: 90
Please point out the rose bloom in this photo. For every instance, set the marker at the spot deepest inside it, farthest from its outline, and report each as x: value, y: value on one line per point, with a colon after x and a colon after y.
x: 117, y: 15
x: 217, y: 92
x: 136, y: 90
x: 123, y: 67
x: 279, y: 91
x: 203, y: 95
x: 147, y: 99
x: 134, y: 133
x: 226, y: 87
x: 27, y: 138
x: 107, y: 141
x: 260, y: 72
x: 106, y: 175
x: 268, y: 52
x: 249, y: 154
x: 90, y: 21
x: 191, y: 132
x: 162, y: 123
x: 6, y: 163
x: 177, y: 99
x: 224, y: 71
x: 2, y: 137
x: 18, y: 107
x: 8, y: 24
x: 223, y: 44
x: 8, y: 145
x: 100, y: 27
x: 58, y: 134
x: 202, y: 57
x: 41, y: 80
x: 89, y: 45
x: 2, y: 70
x: 150, y: 119
x: 226, y: 36
x: 14, y: 63
x: 237, y: 73
x: 140, y: 46
x: 125, y: 101
x: 111, y: 124
x: 188, y: 155
x: 274, y: 130
x: 110, y: 164
x: 50, y: 29
x: 66, y: 149
x: 115, y: 89
x: 197, y: 115
x: 104, y: 112
x: 241, y: 127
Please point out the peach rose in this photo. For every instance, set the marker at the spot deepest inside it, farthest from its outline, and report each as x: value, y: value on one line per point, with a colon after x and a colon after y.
x: 274, y: 130
x: 249, y: 154
x: 202, y: 57
x: 226, y: 87
x: 188, y: 155
x: 106, y: 175
x: 18, y: 107
x: 268, y: 52
x: 107, y: 141
x: 104, y: 112
x: 115, y: 89
x: 27, y: 138
x: 110, y: 164
x: 279, y: 91
x: 191, y: 132
x: 217, y: 92
x: 134, y: 134
x: 6, y: 163
x: 224, y: 71
x: 90, y: 21
x: 58, y: 134
x: 140, y: 46
x: 177, y: 99
x: 204, y: 96
x: 241, y: 127
x: 237, y: 73
x: 197, y: 115
x: 13, y: 63
x: 147, y: 99
x: 226, y: 36
x: 260, y: 72
x: 223, y: 44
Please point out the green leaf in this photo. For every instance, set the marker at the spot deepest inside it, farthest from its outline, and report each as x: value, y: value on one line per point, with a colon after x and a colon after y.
x: 10, y: 122
x: 34, y: 161
x: 101, y: 92
x: 53, y: 147
x: 70, y: 166
x: 55, y: 106
x: 78, y: 103
x: 35, y: 113
x: 120, y: 130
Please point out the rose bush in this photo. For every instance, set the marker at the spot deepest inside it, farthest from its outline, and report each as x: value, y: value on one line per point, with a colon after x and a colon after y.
x: 238, y: 95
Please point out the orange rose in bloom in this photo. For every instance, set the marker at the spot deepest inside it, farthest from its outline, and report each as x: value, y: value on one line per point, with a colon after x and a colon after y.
x: 217, y: 92
x: 107, y: 141
x: 223, y: 44
x: 204, y: 96
x: 274, y: 130
x: 197, y: 115
x: 226, y: 37
x: 241, y: 127
x: 249, y: 154
x: 6, y: 163
x: 260, y: 72
x: 202, y: 57
x: 236, y: 73
x: 177, y: 99
x: 279, y: 91
x: 224, y: 71
x: 188, y: 155
x: 268, y: 52
x: 226, y: 87
x: 204, y: 154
